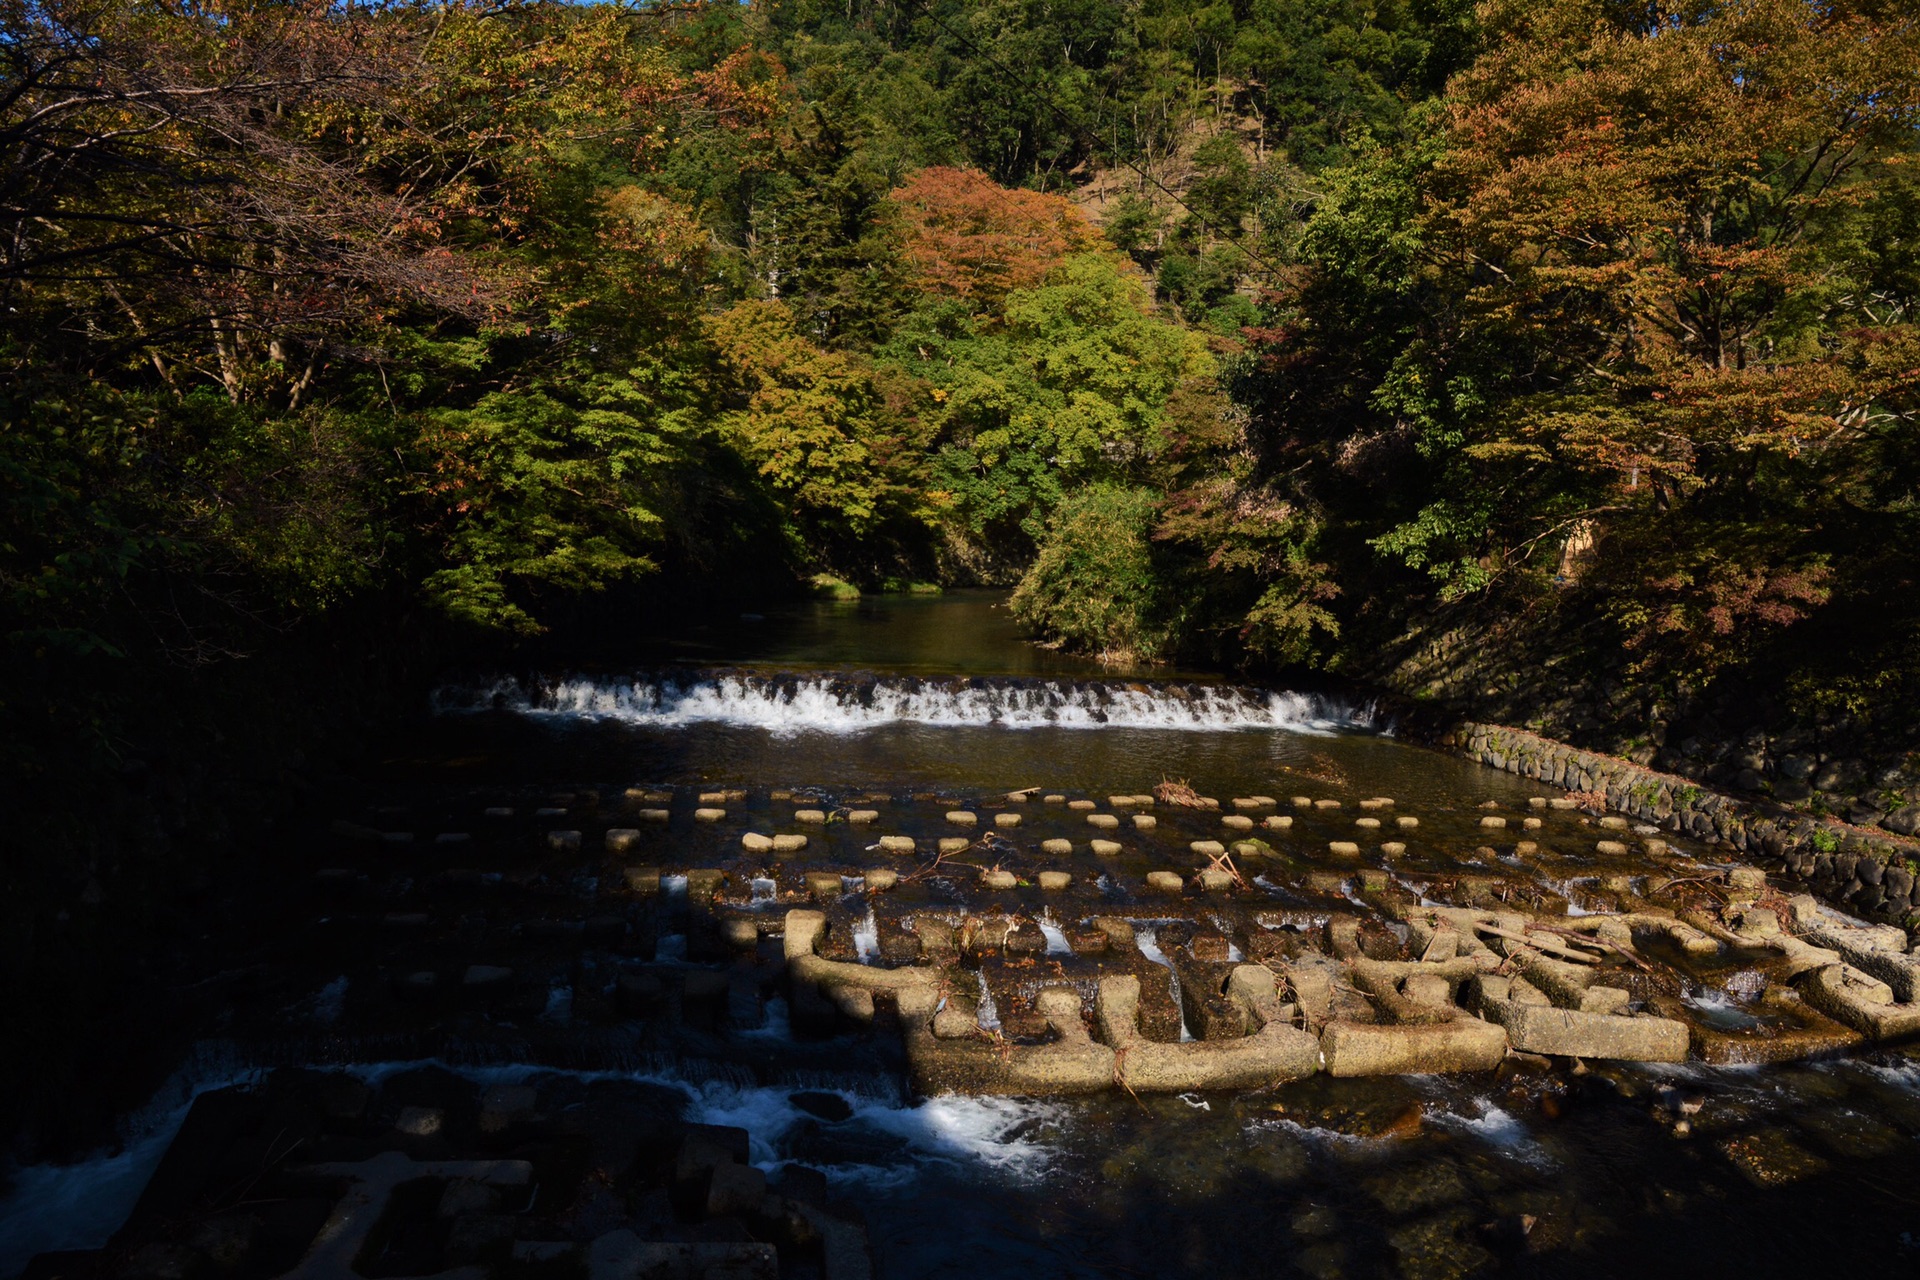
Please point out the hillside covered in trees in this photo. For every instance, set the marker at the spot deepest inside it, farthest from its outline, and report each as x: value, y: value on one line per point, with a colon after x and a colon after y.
x: 1260, y: 333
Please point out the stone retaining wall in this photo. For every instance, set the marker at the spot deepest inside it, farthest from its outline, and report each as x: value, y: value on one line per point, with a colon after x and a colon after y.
x: 1866, y: 871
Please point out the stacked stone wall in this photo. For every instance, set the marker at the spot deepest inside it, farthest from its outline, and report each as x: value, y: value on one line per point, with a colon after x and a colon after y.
x: 1863, y: 870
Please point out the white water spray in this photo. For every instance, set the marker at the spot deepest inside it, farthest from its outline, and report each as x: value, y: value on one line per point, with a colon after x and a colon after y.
x: 830, y: 704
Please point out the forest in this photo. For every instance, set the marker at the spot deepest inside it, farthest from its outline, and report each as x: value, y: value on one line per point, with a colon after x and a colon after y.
x: 1252, y: 333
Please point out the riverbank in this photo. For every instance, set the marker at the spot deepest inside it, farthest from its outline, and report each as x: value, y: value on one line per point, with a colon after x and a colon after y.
x: 1864, y: 870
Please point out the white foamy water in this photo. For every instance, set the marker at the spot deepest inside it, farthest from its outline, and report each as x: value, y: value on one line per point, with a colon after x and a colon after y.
x: 997, y: 1133
x: 989, y: 1015
x: 833, y: 704
x: 866, y: 938
x: 1057, y: 944
x: 81, y: 1204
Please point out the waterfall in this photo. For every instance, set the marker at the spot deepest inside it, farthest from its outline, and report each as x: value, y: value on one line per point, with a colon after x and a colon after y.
x: 839, y: 703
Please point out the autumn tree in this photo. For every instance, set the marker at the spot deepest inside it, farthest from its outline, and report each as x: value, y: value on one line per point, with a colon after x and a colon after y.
x: 812, y: 425
x: 966, y: 236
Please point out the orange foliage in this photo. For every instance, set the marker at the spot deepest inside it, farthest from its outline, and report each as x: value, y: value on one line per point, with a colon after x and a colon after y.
x: 970, y: 237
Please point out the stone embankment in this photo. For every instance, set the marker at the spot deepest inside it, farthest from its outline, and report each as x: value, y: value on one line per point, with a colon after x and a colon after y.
x: 1864, y: 870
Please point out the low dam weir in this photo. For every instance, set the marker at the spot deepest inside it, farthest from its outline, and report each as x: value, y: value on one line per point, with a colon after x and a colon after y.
x: 778, y: 970
x: 786, y: 702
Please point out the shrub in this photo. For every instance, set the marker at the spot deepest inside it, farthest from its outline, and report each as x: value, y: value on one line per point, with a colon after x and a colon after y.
x: 1093, y: 585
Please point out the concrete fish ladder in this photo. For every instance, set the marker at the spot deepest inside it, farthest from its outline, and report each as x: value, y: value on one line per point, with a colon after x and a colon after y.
x: 1862, y: 976
x: 1274, y: 1054
x: 1072, y: 1062
x: 977, y: 1064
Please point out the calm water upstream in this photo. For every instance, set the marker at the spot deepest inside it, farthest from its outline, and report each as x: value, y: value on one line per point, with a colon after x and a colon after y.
x: 1540, y: 1168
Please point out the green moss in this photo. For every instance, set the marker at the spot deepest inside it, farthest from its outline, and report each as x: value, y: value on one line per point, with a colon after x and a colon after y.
x: 828, y: 587
x: 1824, y: 841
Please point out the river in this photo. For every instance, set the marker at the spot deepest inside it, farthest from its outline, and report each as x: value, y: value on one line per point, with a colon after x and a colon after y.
x: 446, y: 858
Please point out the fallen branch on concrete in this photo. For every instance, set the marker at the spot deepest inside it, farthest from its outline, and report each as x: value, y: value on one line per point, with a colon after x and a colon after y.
x: 1547, y: 944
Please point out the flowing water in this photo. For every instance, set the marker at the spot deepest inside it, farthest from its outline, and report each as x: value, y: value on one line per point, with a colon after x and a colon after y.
x: 443, y: 858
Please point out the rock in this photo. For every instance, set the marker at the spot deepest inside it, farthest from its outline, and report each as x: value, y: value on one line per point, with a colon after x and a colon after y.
x: 1208, y: 848
x: 1104, y: 848
x: 1165, y: 881
x: 880, y: 879
x: 1054, y: 881
x: 1056, y: 847
x: 1610, y: 848
x: 563, y: 841
x: 962, y: 817
x: 1006, y: 819
x: 954, y: 844
x: 1406, y: 822
x: 896, y: 844
x: 1279, y: 821
x: 997, y: 879
x: 1769, y: 1158
x: 1493, y: 823
x: 503, y: 1105
x: 1079, y: 804
x: 1102, y: 821
x: 812, y: 817
x: 1145, y: 821
x: 735, y: 1190
x: 420, y: 1122
x: 622, y: 1255
x: 754, y: 842
x: 1237, y: 822
x: 622, y: 839
x: 709, y: 815
x: 789, y: 843
x: 1343, y: 848
x: 653, y: 815
x: 1393, y: 848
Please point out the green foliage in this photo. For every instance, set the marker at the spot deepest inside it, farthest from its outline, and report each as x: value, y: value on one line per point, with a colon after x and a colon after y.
x: 1824, y: 841
x: 553, y: 488
x: 828, y: 587
x: 1093, y: 583
x: 811, y: 423
x: 1071, y: 383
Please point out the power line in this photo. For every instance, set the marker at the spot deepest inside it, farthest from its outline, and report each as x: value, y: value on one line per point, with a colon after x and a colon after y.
x: 1085, y: 136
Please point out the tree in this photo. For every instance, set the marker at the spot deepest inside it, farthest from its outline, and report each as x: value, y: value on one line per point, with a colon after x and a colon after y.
x: 1070, y: 383
x: 968, y: 237
x: 811, y: 424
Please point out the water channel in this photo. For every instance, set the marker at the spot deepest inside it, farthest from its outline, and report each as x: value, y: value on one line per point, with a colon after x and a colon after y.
x: 446, y: 862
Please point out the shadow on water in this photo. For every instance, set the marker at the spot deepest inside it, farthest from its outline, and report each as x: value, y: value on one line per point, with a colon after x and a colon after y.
x: 450, y: 861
